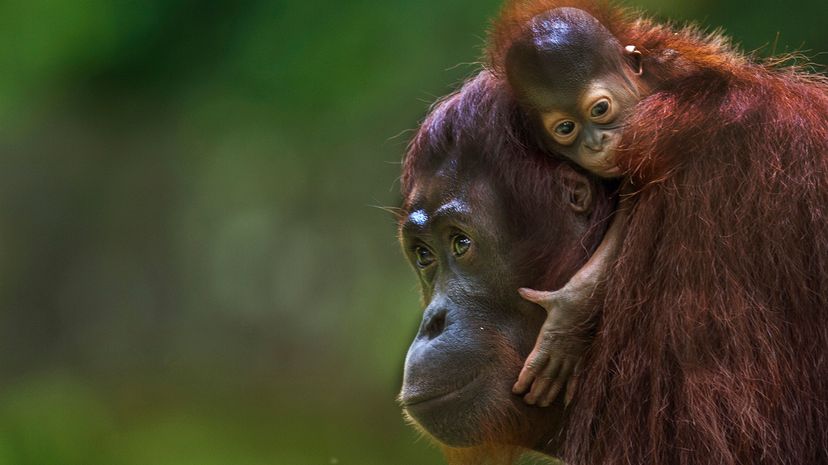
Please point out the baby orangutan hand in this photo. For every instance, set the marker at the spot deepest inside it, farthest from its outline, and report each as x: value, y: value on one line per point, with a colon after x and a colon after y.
x: 555, y: 360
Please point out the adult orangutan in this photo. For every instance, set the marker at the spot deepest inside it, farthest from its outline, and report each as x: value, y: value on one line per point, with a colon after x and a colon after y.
x: 470, y: 228
x: 710, y: 343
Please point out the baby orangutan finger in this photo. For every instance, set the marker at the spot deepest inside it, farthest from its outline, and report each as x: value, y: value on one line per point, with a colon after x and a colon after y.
x: 535, y: 363
x: 555, y: 389
x: 541, y: 385
x: 537, y: 387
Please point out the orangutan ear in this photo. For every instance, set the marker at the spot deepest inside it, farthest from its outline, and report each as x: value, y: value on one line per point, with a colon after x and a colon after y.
x: 577, y: 190
x: 635, y: 59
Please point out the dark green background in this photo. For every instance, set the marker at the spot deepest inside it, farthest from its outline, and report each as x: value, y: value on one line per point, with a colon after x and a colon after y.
x: 192, y: 270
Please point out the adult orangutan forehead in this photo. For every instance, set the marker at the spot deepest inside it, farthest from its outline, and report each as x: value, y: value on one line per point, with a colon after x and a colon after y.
x: 560, y: 51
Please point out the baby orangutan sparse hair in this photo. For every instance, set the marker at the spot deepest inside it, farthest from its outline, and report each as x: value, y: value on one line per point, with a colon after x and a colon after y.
x: 579, y: 82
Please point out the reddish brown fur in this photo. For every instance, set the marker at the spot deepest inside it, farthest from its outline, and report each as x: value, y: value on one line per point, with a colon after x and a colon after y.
x: 454, y: 134
x: 478, y: 131
x: 711, y: 345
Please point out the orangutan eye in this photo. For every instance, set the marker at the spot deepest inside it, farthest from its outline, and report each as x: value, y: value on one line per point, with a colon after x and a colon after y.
x: 460, y: 245
x: 565, y: 128
x: 600, y: 109
x: 424, y: 257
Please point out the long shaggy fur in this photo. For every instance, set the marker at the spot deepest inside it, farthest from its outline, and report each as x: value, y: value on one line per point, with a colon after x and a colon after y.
x: 712, y: 343
x: 478, y: 134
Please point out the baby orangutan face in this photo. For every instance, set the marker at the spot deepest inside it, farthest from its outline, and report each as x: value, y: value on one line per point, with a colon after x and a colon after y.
x: 586, y: 126
x: 581, y: 83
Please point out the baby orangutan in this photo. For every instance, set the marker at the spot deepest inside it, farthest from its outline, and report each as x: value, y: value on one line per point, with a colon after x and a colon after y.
x: 580, y: 84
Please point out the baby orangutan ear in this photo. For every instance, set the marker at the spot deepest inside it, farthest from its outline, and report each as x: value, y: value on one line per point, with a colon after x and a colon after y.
x: 577, y: 190
x: 635, y: 59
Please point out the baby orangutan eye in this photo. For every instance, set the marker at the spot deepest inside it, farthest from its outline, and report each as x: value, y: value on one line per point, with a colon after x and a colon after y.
x: 600, y: 109
x: 424, y: 256
x: 565, y: 128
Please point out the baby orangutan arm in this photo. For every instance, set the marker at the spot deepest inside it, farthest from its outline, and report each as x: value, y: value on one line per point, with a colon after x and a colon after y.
x: 555, y: 360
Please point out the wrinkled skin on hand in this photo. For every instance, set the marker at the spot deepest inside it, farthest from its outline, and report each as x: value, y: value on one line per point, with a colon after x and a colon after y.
x: 555, y: 360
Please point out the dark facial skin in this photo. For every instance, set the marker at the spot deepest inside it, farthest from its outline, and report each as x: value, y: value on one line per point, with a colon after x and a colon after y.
x: 476, y: 329
x: 580, y: 81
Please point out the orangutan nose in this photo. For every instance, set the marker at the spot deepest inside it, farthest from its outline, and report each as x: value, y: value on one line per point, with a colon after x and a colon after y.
x: 595, y: 141
x: 434, y: 322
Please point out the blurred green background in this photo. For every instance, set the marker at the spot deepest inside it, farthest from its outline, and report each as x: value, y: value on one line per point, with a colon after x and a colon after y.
x: 192, y: 270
